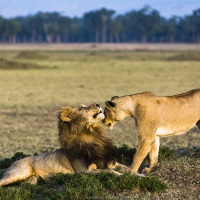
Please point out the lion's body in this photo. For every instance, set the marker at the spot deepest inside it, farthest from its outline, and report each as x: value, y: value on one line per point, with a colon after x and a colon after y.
x: 84, y: 148
x: 155, y: 117
x: 44, y: 165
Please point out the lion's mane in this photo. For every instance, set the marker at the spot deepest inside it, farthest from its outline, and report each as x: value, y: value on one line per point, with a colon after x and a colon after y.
x: 86, y: 141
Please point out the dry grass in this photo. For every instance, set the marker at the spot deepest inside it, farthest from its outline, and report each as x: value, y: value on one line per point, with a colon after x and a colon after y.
x: 101, y: 47
x: 31, y: 96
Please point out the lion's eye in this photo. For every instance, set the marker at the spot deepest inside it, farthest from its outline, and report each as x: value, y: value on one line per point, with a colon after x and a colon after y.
x: 83, y: 107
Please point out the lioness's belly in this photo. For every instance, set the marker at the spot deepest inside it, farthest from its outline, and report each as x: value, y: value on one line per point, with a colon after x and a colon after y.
x: 166, y: 131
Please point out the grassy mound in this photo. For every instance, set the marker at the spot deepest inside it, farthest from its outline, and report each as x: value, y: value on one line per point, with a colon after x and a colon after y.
x: 186, y: 56
x: 11, y: 64
x: 83, y: 185
x: 31, y: 55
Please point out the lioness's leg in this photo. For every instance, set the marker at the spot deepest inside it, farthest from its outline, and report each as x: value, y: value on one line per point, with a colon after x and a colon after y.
x: 144, y: 146
x: 153, y: 155
x: 19, y: 170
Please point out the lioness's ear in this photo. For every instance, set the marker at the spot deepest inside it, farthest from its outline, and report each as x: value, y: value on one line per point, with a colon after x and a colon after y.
x: 113, y: 98
x: 65, y: 117
x: 110, y: 104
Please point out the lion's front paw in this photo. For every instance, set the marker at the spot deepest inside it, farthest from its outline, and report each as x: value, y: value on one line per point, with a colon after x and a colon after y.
x: 118, y: 173
x: 136, y: 174
x: 92, y: 167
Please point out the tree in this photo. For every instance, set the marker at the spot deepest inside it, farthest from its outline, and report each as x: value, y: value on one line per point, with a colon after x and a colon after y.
x: 106, y: 20
x: 144, y: 25
x: 92, y: 22
x: 12, y: 27
x: 193, y: 25
x: 97, y: 22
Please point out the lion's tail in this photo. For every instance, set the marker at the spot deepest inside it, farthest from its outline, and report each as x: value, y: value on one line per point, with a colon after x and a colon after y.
x: 19, y: 170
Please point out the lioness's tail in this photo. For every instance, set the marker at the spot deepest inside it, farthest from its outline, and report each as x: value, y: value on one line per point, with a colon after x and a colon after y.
x: 19, y: 170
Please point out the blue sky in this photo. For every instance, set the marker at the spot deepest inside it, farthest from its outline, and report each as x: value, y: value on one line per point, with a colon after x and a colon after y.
x: 167, y: 8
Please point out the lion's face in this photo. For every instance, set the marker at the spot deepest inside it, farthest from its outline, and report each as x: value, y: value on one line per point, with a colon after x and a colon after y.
x: 84, y: 115
x: 113, y: 113
x: 92, y: 113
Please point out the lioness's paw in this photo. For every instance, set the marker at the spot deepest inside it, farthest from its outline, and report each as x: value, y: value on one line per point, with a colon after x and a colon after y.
x: 146, y: 170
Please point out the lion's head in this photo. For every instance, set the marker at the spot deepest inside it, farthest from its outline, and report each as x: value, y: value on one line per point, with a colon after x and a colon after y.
x: 81, y: 134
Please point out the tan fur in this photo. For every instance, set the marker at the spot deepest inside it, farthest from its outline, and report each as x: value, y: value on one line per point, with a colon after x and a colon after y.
x: 155, y: 117
x: 84, y: 149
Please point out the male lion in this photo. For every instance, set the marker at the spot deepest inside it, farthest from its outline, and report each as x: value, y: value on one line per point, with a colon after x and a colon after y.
x: 155, y: 117
x: 84, y: 149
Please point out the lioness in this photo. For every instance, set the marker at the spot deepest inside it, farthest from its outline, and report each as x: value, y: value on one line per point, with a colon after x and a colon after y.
x: 84, y: 149
x: 155, y: 117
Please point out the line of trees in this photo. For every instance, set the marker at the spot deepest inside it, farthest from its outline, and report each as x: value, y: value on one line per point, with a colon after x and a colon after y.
x: 103, y: 25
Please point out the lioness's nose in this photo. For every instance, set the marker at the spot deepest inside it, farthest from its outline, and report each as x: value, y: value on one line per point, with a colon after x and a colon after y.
x: 98, y: 105
x: 103, y: 121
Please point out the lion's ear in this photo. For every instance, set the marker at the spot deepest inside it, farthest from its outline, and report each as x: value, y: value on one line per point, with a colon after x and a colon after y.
x: 65, y: 117
x: 110, y: 104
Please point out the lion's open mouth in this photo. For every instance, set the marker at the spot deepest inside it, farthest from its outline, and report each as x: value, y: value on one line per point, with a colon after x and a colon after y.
x: 95, y: 115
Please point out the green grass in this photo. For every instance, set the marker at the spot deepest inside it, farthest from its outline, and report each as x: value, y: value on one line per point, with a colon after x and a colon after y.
x: 35, y: 84
x: 81, y: 186
x: 106, y: 185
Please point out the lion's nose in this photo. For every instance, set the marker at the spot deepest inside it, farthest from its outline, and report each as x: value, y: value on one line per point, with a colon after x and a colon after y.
x: 103, y: 121
x: 98, y: 105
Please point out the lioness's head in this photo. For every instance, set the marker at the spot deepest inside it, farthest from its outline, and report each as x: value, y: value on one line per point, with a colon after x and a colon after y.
x: 113, y: 112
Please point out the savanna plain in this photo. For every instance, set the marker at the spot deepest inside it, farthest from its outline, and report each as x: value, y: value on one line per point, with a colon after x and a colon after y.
x: 35, y: 84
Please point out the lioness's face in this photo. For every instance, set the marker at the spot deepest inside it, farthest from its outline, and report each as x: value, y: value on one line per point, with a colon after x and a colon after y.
x: 113, y: 113
x: 83, y: 114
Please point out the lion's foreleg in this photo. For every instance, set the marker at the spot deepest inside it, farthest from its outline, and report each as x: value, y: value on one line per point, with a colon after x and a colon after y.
x: 91, y: 167
x: 105, y: 170
x: 19, y: 170
x: 153, y: 155
x: 121, y: 168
